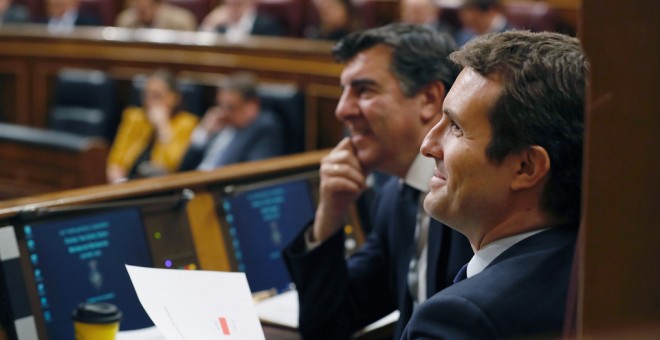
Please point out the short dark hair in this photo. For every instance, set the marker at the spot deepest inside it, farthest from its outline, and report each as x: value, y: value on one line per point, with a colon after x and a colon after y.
x: 244, y: 83
x: 542, y: 103
x: 419, y: 54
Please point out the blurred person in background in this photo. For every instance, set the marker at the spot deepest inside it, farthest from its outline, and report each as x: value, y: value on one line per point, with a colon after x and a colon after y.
x: 151, y: 140
x: 424, y: 12
x: 479, y: 17
x: 239, y: 19
x: 156, y: 14
x: 337, y: 18
x: 64, y: 15
x: 236, y: 130
x: 12, y: 13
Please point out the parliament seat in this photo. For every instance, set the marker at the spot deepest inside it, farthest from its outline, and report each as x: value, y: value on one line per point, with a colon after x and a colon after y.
x: 288, y: 12
x: 106, y: 10
x: 287, y: 102
x: 84, y: 104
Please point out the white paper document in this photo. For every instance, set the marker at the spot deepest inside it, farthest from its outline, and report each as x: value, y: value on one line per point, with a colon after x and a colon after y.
x: 281, y: 310
x: 197, y: 305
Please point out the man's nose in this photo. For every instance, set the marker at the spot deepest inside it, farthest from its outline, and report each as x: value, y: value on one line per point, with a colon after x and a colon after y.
x: 347, y: 106
x: 432, y: 144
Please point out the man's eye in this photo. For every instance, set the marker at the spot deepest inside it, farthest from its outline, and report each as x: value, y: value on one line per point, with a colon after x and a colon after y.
x: 363, y: 91
x: 455, y: 129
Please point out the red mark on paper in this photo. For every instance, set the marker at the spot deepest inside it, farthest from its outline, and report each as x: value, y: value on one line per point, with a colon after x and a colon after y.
x: 224, y: 326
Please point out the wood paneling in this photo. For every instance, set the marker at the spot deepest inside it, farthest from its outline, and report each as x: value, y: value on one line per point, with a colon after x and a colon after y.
x: 619, y: 286
x: 30, y: 58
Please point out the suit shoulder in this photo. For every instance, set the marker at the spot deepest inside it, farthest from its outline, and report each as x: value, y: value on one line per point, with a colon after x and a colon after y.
x: 450, y: 316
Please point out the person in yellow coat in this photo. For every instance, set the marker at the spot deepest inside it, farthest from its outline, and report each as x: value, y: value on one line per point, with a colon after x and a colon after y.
x: 151, y: 140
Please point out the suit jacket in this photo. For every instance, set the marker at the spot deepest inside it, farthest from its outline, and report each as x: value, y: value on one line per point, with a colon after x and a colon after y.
x: 338, y: 297
x: 521, y: 294
x: 262, y: 139
x: 263, y: 25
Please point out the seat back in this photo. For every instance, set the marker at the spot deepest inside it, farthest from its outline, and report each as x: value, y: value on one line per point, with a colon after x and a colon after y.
x: 106, y: 10
x: 84, y: 104
x: 287, y: 101
x: 288, y: 12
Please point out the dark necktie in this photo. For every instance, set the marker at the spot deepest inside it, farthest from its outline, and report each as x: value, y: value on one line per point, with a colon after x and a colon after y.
x: 462, y: 274
x: 409, y: 201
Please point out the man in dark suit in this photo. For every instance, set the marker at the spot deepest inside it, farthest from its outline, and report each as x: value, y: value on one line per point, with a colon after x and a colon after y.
x: 236, y: 130
x: 64, y: 15
x: 508, y: 154
x: 394, y: 82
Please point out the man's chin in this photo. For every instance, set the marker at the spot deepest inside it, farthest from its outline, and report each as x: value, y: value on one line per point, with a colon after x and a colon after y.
x: 367, y: 159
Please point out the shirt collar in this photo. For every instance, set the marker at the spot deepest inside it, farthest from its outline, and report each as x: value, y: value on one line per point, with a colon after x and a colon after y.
x: 484, y: 256
x: 420, y: 172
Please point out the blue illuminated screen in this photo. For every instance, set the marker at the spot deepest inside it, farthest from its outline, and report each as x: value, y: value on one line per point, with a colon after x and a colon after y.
x: 81, y: 259
x: 261, y: 223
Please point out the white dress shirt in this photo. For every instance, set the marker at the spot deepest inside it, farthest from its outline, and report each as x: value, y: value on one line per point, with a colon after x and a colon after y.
x: 484, y: 256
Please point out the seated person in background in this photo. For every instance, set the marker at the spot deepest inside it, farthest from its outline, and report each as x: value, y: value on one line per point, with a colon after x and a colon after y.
x: 508, y: 155
x: 64, y: 15
x: 239, y: 19
x: 480, y: 17
x: 151, y: 140
x: 156, y: 14
x: 424, y: 12
x: 337, y: 18
x: 12, y: 13
x: 236, y: 130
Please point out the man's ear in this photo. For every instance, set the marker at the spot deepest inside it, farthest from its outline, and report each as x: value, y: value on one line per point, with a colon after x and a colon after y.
x: 532, y: 168
x: 432, y: 96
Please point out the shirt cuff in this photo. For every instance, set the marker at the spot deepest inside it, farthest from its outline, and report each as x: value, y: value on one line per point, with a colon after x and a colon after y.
x: 309, y: 244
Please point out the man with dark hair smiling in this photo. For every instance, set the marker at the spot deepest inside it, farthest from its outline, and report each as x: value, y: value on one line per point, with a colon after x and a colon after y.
x: 508, y: 154
x: 394, y: 81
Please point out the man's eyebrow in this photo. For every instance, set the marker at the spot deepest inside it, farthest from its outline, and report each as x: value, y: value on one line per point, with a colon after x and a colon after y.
x: 361, y: 82
x: 449, y: 113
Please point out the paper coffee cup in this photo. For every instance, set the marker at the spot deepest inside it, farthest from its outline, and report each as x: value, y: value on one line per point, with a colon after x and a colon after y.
x: 96, y: 321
